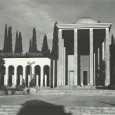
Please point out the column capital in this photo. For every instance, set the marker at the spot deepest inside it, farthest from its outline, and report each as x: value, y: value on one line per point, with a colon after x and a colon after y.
x: 91, y: 29
x: 75, y: 30
x: 23, y: 65
x: 107, y: 29
x: 60, y: 30
x: 42, y: 66
x: 15, y: 66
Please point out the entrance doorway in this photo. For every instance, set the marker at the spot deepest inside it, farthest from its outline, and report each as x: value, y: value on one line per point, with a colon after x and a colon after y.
x: 71, y: 78
x: 85, y: 81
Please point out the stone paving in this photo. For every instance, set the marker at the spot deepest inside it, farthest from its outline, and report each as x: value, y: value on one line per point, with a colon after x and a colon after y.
x: 91, y: 101
x: 57, y: 105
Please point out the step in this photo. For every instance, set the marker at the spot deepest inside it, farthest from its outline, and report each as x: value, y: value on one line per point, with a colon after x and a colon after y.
x: 74, y: 110
x: 76, y: 92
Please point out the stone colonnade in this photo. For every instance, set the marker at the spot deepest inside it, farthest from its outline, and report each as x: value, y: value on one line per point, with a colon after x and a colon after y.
x: 15, y: 62
x: 105, y: 53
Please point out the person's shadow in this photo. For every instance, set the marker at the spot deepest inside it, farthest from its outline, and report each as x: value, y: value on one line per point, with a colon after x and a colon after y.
x: 37, y: 107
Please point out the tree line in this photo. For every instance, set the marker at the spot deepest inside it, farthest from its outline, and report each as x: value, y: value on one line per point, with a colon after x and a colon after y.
x: 18, y: 49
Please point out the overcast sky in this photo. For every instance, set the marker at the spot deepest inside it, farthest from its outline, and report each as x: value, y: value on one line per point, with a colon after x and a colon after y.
x: 23, y: 15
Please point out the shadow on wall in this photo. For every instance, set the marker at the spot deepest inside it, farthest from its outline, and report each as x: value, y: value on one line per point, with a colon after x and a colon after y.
x: 37, y: 107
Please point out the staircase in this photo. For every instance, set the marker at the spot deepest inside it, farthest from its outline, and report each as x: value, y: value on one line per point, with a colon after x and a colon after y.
x: 68, y: 110
x: 76, y: 92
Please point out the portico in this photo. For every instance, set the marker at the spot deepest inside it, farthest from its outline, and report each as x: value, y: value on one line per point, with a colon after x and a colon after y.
x: 84, y: 55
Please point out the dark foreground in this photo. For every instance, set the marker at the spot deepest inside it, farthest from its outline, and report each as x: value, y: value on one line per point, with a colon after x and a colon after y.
x: 57, y: 105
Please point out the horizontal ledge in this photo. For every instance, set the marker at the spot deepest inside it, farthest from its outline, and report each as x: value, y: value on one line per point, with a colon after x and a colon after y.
x: 84, y: 26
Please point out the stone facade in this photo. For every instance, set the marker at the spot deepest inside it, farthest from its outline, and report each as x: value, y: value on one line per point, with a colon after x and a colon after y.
x: 84, y: 44
x: 83, y: 58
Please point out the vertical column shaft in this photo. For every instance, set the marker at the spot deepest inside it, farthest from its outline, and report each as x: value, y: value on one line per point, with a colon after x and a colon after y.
x: 30, y: 72
x: 103, y: 51
x: 107, y: 57
x: 50, y: 75
x: 62, y: 78
x: 24, y: 74
x: 64, y: 67
x: 29, y: 80
x: 6, y: 77
x: 75, y: 57
x: 12, y: 80
x: 59, y: 62
x: 20, y: 79
x: 91, y: 56
x: 94, y: 71
x: 33, y: 71
x: 45, y: 80
x: 15, y: 75
x: 37, y: 79
x: 53, y: 73
x: 41, y: 77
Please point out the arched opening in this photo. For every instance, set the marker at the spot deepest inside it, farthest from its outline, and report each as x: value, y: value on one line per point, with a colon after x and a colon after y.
x: 19, y: 75
x: 37, y: 74
x: 46, y: 76
x: 2, y: 73
x: 10, y: 75
x: 27, y: 75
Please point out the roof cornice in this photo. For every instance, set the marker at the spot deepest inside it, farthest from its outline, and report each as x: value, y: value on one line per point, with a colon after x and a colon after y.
x: 81, y: 26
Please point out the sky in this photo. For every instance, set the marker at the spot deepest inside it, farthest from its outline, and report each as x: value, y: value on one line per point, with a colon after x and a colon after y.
x: 23, y: 15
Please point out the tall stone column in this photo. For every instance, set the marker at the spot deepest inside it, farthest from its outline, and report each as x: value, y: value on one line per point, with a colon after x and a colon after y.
x: 6, y: 77
x: 29, y: 80
x: 91, y: 56
x: 53, y: 74
x: 45, y: 80
x: 41, y: 77
x: 20, y: 79
x: 50, y: 75
x: 32, y: 71
x: 59, y: 62
x: 103, y: 51
x: 107, y: 58
x: 37, y: 78
x: 64, y: 66
x: 75, y: 57
x: 94, y: 70
x: 12, y: 80
x: 62, y: 78
x: 15, y: 75
x: 24, y: 74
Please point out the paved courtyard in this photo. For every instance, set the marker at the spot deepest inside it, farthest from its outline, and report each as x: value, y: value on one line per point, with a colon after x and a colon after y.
x: 91, y: 101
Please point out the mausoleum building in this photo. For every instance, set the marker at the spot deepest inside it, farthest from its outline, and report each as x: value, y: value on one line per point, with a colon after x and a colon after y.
x: 83, y: 58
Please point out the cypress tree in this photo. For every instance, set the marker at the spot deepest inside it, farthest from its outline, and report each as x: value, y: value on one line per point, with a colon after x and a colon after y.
x: 54, y: 53
x: 45, y: 49
x: 9, y: 45
x: 20, y: 43
x: 34, y: 42
x: 30, y: 46
x: 16, y: 43
x: 5, y: 40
